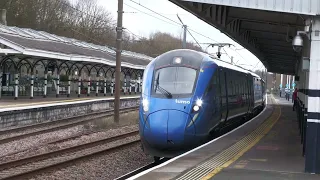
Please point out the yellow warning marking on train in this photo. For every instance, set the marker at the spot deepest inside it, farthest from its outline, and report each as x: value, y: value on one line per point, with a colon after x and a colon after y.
x: 262, y: 131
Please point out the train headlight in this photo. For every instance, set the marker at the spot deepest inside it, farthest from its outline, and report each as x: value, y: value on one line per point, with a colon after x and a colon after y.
x: 197, y: 105
x: 199, y: 102
x: 145, y: 104
x: 196, y: 108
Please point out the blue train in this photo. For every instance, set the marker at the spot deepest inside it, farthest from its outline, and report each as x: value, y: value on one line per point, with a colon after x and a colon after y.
x: 187, y: 95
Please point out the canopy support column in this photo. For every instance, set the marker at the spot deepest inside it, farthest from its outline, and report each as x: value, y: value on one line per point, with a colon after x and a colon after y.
x: 16, y: 84
x: 79, y: 86
x: 97, y: 86
x: 112, y: 86
x: 31, y: 85
x: 69, y: 86
x: 89, y: 86
x: 105, y: 87
x: 312, y: 157
x: 58, y: 84
x: 1, y: 74
x: 45, y: 84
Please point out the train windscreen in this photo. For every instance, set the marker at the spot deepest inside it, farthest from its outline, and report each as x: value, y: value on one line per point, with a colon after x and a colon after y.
x: 173, y: 81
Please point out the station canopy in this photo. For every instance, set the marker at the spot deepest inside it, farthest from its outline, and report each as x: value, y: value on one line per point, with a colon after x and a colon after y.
x: 264, y: 27
x: 40, y: 44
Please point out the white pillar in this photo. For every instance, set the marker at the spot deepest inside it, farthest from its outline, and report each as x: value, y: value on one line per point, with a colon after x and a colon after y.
x: 125, y: 85
x: 112, y: 86
x: 289, y: 82
x: 140, y: 84
x: 31, y: 86
x: 1, y: 83
x: 105, y: 87
x: 97, y: 87
x: 58, y: 85
x: 89, y: 86
x: 312, y: 162
x: 45, y: 84
x: 293, y: 79
x: 131, y: 85
x: 281, y: 76
x: 79, y: 86
x: 135, y: 86
x: 16, y: 84
x: 69, y: 86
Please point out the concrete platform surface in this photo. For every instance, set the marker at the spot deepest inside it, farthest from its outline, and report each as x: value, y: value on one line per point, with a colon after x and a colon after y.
x: 269, y: 148
x: 276, y: 156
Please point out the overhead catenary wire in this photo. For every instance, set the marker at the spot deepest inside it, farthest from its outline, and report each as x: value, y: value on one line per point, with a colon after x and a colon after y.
x: 189, y: 29
x: 155, y: 12
x: 194, y: 38
x: 172, y: 20
x: 149, y: 14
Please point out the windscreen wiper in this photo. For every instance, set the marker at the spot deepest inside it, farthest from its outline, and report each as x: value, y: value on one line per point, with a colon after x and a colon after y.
x: 162, y: 90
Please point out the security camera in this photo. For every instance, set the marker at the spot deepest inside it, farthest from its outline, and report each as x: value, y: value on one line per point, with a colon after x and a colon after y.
x: 297, y: 43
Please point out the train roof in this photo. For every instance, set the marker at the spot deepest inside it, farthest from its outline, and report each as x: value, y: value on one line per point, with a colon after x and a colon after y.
x: 218, y: 61
x: 224, y: 64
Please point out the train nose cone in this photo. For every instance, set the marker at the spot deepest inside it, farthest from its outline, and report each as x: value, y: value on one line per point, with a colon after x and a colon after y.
x: 166, y: 128
x: 156, y: 133
x: 176, y: 126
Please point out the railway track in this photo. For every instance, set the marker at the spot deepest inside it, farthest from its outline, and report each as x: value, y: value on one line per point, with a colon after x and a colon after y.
x: 141, y: 169
x: 36, y: 129
x: 32, y: 165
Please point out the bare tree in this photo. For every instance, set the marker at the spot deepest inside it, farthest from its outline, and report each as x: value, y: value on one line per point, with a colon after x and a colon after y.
x: 85, y: 20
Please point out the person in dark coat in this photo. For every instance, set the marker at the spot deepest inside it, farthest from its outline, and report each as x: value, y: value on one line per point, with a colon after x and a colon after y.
x: 294, y: 97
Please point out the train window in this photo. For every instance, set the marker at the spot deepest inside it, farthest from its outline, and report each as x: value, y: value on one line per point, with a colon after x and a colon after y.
x: 175, y: 80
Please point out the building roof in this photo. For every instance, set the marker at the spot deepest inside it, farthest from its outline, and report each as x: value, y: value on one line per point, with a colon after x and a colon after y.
x: 42, y: 44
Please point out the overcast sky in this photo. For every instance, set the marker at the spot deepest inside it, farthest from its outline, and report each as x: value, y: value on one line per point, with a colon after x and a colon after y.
x: 139, y: 20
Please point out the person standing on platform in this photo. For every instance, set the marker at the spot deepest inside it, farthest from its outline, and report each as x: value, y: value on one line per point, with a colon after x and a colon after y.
x: 280, y: 91
x: 294, y: 98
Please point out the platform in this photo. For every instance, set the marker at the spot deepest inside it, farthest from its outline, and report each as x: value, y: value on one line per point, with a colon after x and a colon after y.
x: 7, y: 104
x: 267, y: 147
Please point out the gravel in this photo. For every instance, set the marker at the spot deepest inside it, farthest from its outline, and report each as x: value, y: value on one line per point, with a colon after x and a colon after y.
x: 30, y: 142
x: 33, y: 145
x: 82, y: 139
x: 102, y: 167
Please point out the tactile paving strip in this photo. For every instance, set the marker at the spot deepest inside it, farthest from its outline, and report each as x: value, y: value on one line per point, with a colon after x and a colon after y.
x: 239, y: 148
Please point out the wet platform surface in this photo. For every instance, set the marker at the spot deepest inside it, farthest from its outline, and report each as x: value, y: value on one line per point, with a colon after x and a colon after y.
x: 274, y: 152
x: 278, y: 155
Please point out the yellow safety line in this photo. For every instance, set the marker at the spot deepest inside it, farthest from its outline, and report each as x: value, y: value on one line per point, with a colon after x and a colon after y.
x: 236, y: 157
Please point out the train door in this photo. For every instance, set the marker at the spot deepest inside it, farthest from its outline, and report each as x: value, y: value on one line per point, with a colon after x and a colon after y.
x: 218, y: 102
x: 217, y: 111
x: 224, y: 95
x: 251, y: 95
x: 248, y: 93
